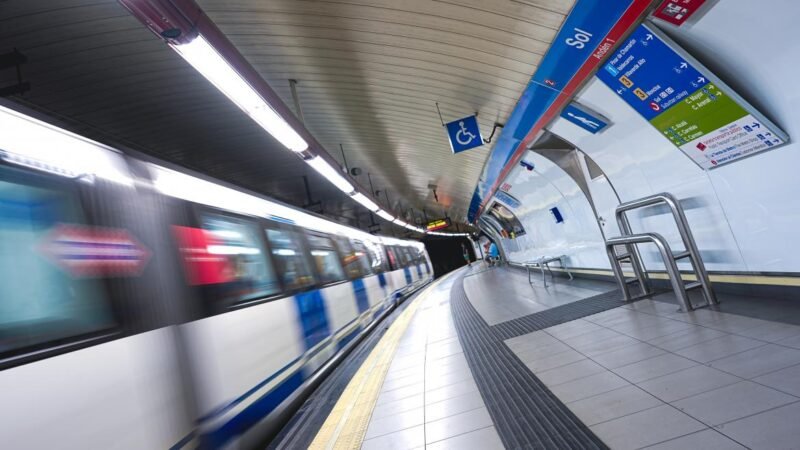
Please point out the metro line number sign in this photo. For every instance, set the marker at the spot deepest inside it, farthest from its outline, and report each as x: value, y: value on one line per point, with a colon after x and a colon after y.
x: 686, y: 103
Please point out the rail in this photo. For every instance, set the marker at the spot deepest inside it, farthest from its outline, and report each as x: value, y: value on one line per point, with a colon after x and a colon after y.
x: 670, y: 260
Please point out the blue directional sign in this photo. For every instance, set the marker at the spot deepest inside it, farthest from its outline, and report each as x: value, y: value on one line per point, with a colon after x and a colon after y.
x: 464, y: 134
x: 506, y: 198
x: 685, y: 102
x: 584, y: 118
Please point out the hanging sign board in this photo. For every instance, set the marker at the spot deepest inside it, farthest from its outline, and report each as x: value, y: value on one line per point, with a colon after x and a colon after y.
x: 677, y: 12
x: 438, y: 224
x: 684, y: 101
x: 584, y: 117
x: 464, y: 134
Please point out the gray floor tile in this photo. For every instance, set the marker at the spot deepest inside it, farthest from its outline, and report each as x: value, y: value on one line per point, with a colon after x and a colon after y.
x: 686, y: 338
x: 570, y: 372
x: 719, y: 348
x: 654, y: 367
x: 454, y: 405
x: 450, y: 391
x: 658, y: 328
x: 395, y: 422
x: 627, y: 355
x: 706, y: 440
x: 483, y: 439
x: 732, y: 402
x: 588, y: 386
x: 447, y: 379
x: 598, y: 348
x: 793, y: 342
x: 572, y: 329
x: 687, y: 382
x: 758, y: 361
x: 537, y: 365
x: 613, y: 404
x: 589, y: 338
x: 786, y: 380
x: 400, y: 393
x: 398, y: 406
x: 775, y: 429
x: 457, y: 424
x: 647, y: 427
x: 542, y: 351
x: 402, y: 440
x: 771, y: 332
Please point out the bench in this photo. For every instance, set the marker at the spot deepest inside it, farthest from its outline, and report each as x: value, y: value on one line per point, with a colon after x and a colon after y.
x: 544, y: 263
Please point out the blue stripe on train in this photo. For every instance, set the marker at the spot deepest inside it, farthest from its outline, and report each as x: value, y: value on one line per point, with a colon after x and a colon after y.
x: 361, y: 295
x: 407, y: 273
x: 311, y: 309
x: 252, y: 414
x: 419, y: 270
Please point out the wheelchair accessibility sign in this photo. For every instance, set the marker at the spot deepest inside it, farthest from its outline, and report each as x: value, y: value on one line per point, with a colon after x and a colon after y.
x: 464, y: 134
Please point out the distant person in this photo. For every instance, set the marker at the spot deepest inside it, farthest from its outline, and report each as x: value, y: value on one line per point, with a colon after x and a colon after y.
x: 465, y: 252
x: 494, y: 254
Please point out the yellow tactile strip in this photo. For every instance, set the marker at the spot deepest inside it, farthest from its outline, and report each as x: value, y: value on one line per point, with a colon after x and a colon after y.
x: 347, y: 423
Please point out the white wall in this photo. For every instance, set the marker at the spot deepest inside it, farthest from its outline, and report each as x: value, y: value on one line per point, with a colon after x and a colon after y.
x: 744, y: 215
x: 578, y: 236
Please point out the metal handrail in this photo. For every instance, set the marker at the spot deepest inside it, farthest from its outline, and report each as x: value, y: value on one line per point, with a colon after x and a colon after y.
x: 686, y: 236
x: 666, y: 255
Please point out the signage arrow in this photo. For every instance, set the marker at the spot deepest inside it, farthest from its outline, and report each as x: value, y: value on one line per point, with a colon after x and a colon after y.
x: 683, y: 65
x: 649, y: 37
x: 701, y: 80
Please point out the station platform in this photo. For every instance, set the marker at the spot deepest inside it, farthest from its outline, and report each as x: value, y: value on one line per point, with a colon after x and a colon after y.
x: 482, y: 359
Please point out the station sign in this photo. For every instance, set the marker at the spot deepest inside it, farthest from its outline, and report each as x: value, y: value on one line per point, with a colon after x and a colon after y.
x: 84, y: 251
x: 507, y: 199
x: 438, y: 224
x: 677, y: 12
x: 464, y: 134
x: 685, y: 102
x: 584, y: 117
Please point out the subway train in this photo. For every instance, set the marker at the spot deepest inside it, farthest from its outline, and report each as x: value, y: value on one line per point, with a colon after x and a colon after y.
x: 146, y: 307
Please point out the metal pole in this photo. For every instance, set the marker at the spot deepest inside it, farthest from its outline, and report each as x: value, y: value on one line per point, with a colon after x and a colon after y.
x: 296, y: 98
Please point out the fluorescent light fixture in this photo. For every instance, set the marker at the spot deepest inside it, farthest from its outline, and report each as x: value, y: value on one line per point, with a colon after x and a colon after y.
x: 331, y: 174
x: 206, y: 60
x: 38, y: 145
x: 384, y: 215
x: 365, y: 201
x: 284, y: 252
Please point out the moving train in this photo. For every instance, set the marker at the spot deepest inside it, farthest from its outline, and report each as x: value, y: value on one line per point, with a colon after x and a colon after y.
x: 146, y: 307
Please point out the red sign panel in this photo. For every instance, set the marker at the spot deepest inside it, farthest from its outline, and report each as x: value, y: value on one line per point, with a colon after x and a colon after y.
x: 85, y: 251
x: 202, y: 267
x: 677, y: 12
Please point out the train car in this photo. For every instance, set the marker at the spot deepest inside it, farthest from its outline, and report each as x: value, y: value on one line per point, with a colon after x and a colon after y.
x: 143, y: 306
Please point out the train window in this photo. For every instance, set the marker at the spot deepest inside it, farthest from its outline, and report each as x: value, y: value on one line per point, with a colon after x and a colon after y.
x: 44, y: 297
x: 377, y: 257
x: 325, y: 258
x: 289, y: 258
x: 361, y: 259
x: 245, y: 272
x: 405, y: 260
x: 394, y: 264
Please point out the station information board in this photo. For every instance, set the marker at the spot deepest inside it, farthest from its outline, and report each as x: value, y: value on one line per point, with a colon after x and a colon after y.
x: 438, y: 224
x: 684, y: 101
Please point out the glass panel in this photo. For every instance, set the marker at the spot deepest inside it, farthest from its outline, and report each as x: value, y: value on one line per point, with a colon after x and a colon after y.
x: 361, y: 259
x: 39, y: 300
x: 394, y: 263
x: 326, y: 259
x: 246, y: 271
x: 291, y: 263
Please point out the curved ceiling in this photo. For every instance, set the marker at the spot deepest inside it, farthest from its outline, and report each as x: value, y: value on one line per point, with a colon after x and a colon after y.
x: 369, y: 75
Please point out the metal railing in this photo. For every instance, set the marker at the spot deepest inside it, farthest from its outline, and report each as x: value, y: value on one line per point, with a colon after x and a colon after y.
x: 630, y: 240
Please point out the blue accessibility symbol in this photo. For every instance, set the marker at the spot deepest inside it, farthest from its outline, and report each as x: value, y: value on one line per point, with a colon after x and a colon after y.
x: 464, y: 134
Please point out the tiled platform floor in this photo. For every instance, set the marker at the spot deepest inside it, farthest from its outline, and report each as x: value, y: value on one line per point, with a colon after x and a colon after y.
x: 503, y: 293
x: 644, y: 375
x: 429, y: 399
